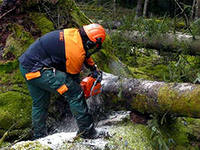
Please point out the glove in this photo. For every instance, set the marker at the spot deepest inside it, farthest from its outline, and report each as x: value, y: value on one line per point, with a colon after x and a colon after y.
x: 95, y: 74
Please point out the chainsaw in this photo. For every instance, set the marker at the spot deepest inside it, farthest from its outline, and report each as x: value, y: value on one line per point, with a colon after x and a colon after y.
x: 91, y: 84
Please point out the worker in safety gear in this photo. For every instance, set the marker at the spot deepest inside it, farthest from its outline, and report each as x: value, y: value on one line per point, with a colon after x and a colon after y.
x: 52, y: 65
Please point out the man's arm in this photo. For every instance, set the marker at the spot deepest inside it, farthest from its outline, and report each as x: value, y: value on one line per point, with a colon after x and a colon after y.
x: 89, y: 63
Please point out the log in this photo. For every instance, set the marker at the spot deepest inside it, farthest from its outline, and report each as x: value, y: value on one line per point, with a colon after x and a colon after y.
x: 167, y: 42
x: 178, y: 99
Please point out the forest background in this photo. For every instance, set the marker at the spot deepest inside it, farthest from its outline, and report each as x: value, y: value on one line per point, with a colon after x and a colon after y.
x: 152, y: 59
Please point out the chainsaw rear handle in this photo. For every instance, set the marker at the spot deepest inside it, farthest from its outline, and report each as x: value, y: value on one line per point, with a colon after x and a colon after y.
x: 97, y: 75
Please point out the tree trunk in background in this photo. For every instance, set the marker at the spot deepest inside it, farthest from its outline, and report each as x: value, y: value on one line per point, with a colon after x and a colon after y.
x: 99, y: 2
x: 179, y: 99
x: 139, y: 9
x: 145, y: 8
x: 197, y: 12
x: 114, y: 9
x: 193, y: 10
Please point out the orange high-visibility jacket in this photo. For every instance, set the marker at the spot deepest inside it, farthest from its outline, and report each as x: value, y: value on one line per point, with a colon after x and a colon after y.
x: 61, y: 49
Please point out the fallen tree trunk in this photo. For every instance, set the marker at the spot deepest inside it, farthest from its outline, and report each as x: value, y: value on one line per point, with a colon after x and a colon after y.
x: 168, y: 42
x: 179, y: 99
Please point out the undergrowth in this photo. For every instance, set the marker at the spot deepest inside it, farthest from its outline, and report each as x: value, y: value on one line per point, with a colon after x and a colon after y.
x: 169, y: 132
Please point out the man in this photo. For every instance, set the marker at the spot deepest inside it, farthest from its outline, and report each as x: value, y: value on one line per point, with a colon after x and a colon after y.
x: 52, y: 65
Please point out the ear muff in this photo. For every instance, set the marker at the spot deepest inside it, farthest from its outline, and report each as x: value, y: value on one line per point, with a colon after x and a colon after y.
x: 98, y: 45
x: 90, y: 44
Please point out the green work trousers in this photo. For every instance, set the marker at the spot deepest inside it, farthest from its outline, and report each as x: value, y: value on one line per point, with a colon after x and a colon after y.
x: 40, y: 89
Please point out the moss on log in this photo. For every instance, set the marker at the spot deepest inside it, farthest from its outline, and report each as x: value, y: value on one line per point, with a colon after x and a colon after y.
x: 179, y: 99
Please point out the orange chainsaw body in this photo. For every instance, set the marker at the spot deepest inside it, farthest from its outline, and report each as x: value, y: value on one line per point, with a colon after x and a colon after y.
x: 90, y: 87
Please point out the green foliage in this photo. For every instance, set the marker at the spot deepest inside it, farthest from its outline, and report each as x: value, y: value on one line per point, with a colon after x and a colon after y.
x: 17, y: 42
x: 143, y: 63
x: 193, y: 126
x: 15, y: 110
x: 183, y: 68
x: 196, y: 27
x: 197, y: 80
x: 74, y: 16
x: 8, y: 66
x: 122, y: 48
x: 42, y: 22
x: 151, y: 26
x: 128, y: 136
x: 169, y: 132
x: 15, y: 107
x: 151, y: 64
x: 15, y: 104
x: 10, y: 74
x: 156, y: 135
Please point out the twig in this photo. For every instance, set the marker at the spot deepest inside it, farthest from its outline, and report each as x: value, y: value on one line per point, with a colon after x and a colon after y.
x: 193, y: 8
x: 7, y: 12
x: 6, y: 133
x: 3, y: 137
x: 77, y: 137
x: 186, y: 19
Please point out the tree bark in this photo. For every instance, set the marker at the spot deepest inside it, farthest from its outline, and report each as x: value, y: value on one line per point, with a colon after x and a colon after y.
x: 145, y: 8
x: 139, y: 9
x: 114, y: 9
x: 193, y: 10
x: 168, y: 42
x: 197, y: 10
x: 179, y: 99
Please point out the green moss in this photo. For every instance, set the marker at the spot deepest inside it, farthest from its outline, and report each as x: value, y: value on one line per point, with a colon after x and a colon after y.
x: 17, y: 42
x: 139, y: 73
x: 171, y: 101
x: 130, y: 136
x: 186, y: 103
x: 149, y: 65
x: 33, y: 145
x: 15, y: 111
x: 15, y: 108
x: 8, y: 78
x: 76, y: 145
x: 8, y: 66
x: 41, y: 21
x: 78, y: 17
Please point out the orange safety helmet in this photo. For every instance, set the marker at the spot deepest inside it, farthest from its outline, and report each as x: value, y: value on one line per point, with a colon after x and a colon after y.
x: 95, y: 31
